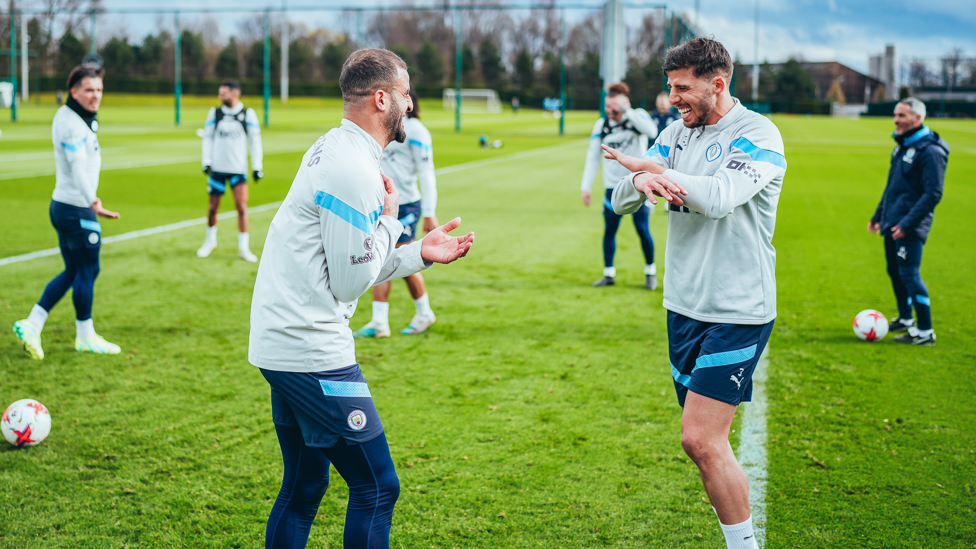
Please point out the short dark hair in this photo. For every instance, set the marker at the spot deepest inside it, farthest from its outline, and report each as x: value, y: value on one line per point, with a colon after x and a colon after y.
x: 368, y: 70
x: 415, y: 112
x: 231, y: 84
x: 82, y: 72
x: 619, y: 88
x: 706, y: 57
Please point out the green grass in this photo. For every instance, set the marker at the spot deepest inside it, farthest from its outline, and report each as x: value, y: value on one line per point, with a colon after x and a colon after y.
x: 537, y: 412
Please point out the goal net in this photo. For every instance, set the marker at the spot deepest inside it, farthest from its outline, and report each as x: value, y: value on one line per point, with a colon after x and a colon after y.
x: 473, y: 100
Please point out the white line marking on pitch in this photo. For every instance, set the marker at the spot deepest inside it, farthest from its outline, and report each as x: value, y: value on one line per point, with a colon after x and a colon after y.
x: 752, y: 447
x: 273, y: 205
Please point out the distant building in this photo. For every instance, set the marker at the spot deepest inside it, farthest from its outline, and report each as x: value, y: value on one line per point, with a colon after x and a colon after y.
x: 858, y: 87
x: 940, y: 93
x: 882, y: 67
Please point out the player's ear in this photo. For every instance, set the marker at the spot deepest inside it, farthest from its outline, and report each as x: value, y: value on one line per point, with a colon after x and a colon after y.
x: 381, y: 99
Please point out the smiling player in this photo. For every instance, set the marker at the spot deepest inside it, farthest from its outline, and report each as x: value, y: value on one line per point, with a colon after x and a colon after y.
x: 722, y: 171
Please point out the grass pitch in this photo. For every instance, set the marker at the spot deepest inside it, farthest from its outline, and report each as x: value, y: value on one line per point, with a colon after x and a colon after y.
x: 537, y: 412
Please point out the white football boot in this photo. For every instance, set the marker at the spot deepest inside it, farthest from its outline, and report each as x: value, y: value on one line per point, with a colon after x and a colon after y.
x: 208, y: 246
x: 419, y: 324
x: 97, y: 345
x: 30, y: 338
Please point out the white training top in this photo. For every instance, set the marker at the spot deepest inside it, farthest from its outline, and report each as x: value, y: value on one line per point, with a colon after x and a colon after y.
x: 77, y: 158
x: 225, y: 143
x: 720, y: 264
x: 628, y: 135
x: 328, y: 244
x: 405, y: 162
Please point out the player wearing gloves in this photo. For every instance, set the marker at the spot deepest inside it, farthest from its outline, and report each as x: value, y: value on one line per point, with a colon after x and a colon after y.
x: 229, y: 131
x: 721, y: 172
x: 332, y: 239
x: 405, y: 163
x: 627, y: 130
x: 74, y: 207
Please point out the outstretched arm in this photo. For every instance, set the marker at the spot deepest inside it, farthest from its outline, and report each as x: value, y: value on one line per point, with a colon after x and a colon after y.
x: 633, y: 163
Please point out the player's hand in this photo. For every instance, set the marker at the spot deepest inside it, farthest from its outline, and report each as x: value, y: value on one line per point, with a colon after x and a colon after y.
x: 391, y: 202
x: 658, y: 185
x: 632, y: 163
x: 258, y: 175
x: 440, y: 247
x: 587, y: 198
x: 896, y: 233
x: 99, y: 210
x: 430, y: 223
x: 207, y: 170
x: 874, y: 227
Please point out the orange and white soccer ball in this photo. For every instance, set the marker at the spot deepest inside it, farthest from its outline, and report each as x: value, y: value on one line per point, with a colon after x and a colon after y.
x: 25, y: 423
x: 870, y: 325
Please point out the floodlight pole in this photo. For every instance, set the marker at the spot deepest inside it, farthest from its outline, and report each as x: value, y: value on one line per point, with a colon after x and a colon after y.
x: 457, y: 68
x: 267, y: 62
x: 91, y: 16
x: 285, y: 39
x: 13, y: 66
x: 177, y: 71
x: 562, y: 72
x: 755, y: 64
x: 23, y: 55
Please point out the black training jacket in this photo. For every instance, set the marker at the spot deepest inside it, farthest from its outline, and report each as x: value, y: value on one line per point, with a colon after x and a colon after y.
x: 915, y: 181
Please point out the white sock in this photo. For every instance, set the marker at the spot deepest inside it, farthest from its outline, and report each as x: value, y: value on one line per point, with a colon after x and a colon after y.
x: 243, y: 241
x: 422, y: 304
x: 84, y: 329
x: 212, y: 234
x: 38, y: 316
x: 650, y: 269
x: 610, y: 271
x: 381, y: 313
x: 925, y: 333
x: 740, y: 536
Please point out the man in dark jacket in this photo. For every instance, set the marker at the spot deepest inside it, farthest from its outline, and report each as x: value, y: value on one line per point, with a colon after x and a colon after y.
x: 904, y: 216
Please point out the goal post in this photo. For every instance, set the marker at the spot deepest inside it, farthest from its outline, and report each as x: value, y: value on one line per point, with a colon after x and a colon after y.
x: 473, y: 100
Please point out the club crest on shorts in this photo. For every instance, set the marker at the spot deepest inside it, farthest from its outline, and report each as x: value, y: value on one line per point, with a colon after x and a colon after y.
x: 356, y: 420
x: 713, y: 152
x: 93, y: 238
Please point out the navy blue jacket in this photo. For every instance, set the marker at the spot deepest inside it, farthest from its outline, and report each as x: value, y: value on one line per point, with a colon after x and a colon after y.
x: 663, y: 120
x: 915, y: 181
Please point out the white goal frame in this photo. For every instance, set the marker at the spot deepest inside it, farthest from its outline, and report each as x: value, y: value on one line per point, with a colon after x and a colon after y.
x: 473, y: 100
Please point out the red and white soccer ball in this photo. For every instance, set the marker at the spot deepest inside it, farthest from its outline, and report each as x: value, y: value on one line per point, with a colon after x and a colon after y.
x: 870, y: 325
x: 25, y: 423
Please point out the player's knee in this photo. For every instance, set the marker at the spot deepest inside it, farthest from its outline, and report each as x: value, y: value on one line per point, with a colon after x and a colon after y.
x: 697, y: 447
x: 388, y: 488
x: 312, y: 491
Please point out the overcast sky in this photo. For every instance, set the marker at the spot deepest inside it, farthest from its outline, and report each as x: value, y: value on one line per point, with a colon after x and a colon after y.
x: 816, y: 30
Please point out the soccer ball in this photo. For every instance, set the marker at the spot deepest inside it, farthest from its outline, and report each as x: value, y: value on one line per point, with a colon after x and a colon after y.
x: 25, y: 423
x: 870, y: 325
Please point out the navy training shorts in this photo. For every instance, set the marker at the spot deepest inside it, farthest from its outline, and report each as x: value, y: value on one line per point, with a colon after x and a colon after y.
x: 218, y: 182
x: 714, y: 360
x: 77, y: 227
x: 409, y: 216
x: 326, y: 406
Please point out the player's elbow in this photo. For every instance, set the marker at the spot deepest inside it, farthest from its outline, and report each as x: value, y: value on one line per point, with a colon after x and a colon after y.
x: 718, y: 210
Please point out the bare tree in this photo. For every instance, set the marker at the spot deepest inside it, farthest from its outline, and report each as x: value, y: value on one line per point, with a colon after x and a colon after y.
x: 950, y: 67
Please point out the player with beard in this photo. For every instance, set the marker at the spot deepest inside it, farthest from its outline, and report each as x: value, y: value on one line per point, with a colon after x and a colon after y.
x: 406, y: 163
x: 332, y: 239
x: 721, y: 172
x: 228, y: 132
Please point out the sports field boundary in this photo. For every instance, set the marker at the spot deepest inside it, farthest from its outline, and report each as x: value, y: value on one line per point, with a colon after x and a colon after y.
x: 752, y: 447
x: 273, y: 205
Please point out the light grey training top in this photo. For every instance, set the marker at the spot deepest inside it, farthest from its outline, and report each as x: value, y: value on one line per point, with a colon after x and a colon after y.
x: 720, y: 264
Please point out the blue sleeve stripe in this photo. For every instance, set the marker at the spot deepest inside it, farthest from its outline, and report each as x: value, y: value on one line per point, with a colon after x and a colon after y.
x: 251, y: 124
x: 726, y: 358
x: 658, y: 149
x: 210, y: 123
x: 596, y: 135
x: 347, y: 213
x: 759, y: 155
x: 420, y: 144
x: 90, y: 225
x: 345, y: 389
x: 74, y: 146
